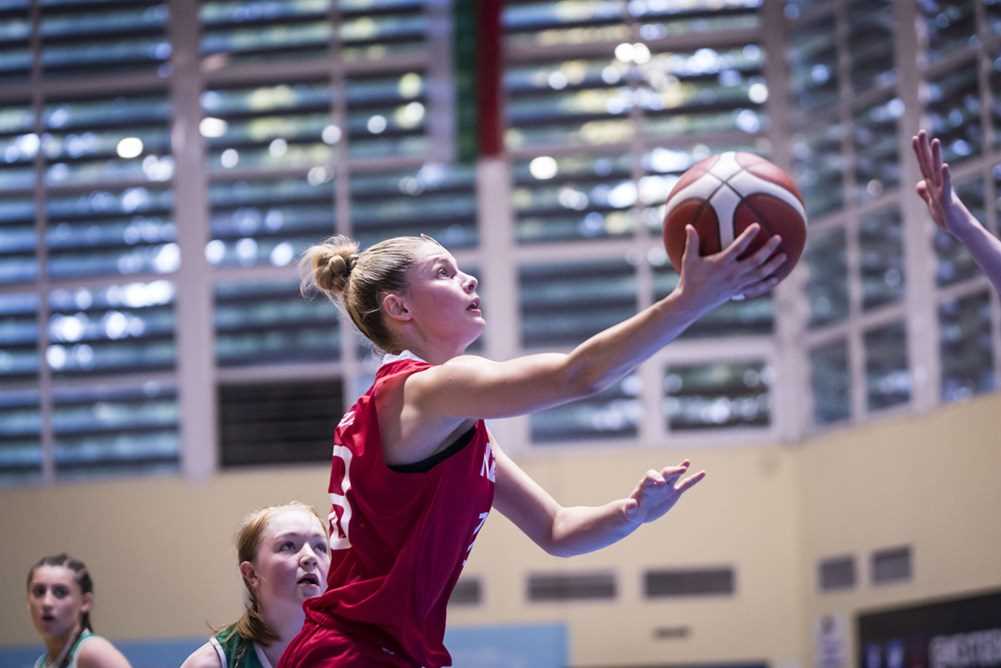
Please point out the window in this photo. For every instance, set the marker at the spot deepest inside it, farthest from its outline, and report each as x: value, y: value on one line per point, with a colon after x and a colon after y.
x: 268, y: 126
x: 827, y: 286
x: 721, y: 395
x: 831, y: 382
x: 107, y: 137
x: 20, y: 436
x: 678, y: 582
x: 112, y: 231
x: 81, y: 39
x: 887, y: 377
x: 115, y: 329
x: 278, y: 422
x: 954, y: 112
x: 967, y: 347
x: 614, y: 413
x: 870, y: 44
x: 877, y: 160
x: 951, y: 26
x: 435, y: 199
x: 268, y: 221
x: 891, y: 565
x: 565, y: 303
x: 258, y: 322
x: 836, y: 574
x: 544, y: 587
x: 128, y: 429
x: 882, y: 257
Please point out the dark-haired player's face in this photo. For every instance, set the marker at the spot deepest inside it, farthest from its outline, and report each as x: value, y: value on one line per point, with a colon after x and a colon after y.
x: 55, y: 601
x: 444, y: 298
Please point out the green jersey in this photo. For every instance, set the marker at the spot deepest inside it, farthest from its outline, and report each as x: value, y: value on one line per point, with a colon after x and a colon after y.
x: 70, y: 657
x: 235, y: 651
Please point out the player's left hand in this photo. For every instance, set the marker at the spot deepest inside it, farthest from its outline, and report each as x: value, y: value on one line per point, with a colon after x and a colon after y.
x: 658, y: 491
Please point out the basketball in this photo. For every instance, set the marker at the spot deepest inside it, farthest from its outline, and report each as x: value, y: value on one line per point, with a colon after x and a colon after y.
x: 724, y: 194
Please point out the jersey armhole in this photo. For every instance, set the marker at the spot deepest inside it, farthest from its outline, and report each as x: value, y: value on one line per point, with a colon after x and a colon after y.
x: 219, y: 651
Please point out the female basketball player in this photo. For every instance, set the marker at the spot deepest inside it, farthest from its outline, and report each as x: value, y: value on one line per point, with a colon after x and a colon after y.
x: 60, y: 598
x: 949, y: 212
x: 414, y: 468
x: 284, y: 558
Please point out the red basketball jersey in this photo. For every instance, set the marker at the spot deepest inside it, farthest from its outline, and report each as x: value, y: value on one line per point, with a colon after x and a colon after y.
x: 400, y: 535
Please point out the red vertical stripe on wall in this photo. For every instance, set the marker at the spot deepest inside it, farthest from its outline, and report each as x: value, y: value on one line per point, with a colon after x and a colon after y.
x: 489, y: 63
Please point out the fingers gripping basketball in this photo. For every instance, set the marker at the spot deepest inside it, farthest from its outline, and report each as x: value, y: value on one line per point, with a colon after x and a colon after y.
x: 724, y: 194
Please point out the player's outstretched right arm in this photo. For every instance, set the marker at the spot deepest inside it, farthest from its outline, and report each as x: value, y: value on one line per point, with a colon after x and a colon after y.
x: 472, y: 387
x: 949, y: 212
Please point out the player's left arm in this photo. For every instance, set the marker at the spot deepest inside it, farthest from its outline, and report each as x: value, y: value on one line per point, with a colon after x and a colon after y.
x: 99, y: 653
x: 565, y: 531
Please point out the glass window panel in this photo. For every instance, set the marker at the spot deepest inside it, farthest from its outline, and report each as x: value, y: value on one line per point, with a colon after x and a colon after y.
x: 99, y: 431
x: 751, y: 317
x: 954, y: 113
x: 966, y: 347
x: 881, y: 246
x: 708, y: 90
x: 18, y: 145
x: 721, y: 395
x: 877, y: 165
x: 831, y: 382
x: 995, y: 85
x: 278, y: 422
x: 576, y: 197
x: 265, y: 29
x: 870, y: 44
x: 20, y: 436
x: 661, y: 20
x: 18, y: 240
x: 955, y: 264
x: 813, y: 64
x: 112, y: 232
x: 18, y: 336
x: 439, y: 200
x: 79, y: 39
x: 992, y: 15
x: 381, y: 28
x: 261, y: 322
x: 567, y: 102
x: 564, y: 303
x: 15, y: 41
x: 269, y: 126
x: 112, y: 138
x: 827, y: 285
x: 818, y: 165
x: 796, y: 8
x: 268, y: 221
x: 541, y: 24
x: 118, y: 328
x: 951, y: 25
x: 887, y: 378
x: 387, y: 115
x: 614, y: 413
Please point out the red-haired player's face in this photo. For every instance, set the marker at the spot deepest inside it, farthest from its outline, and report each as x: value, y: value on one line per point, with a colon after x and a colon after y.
x: 55, y: 601
x: 292, y: 559
x: 443, y: 298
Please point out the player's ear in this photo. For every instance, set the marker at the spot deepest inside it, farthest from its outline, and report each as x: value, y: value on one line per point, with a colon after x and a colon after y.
x: 395, y: 307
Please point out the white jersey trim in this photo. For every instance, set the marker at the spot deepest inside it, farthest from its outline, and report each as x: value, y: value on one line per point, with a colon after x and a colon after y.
x: 405, y: 355
x: 219, y: 651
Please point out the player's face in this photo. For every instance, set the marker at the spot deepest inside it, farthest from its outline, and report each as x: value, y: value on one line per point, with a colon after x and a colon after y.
x: 55, y: 601
x: 293, y: 558
x: 443, y: 297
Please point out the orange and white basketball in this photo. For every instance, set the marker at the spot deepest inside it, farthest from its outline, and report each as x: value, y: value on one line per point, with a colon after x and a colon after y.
x: 724, y: 194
